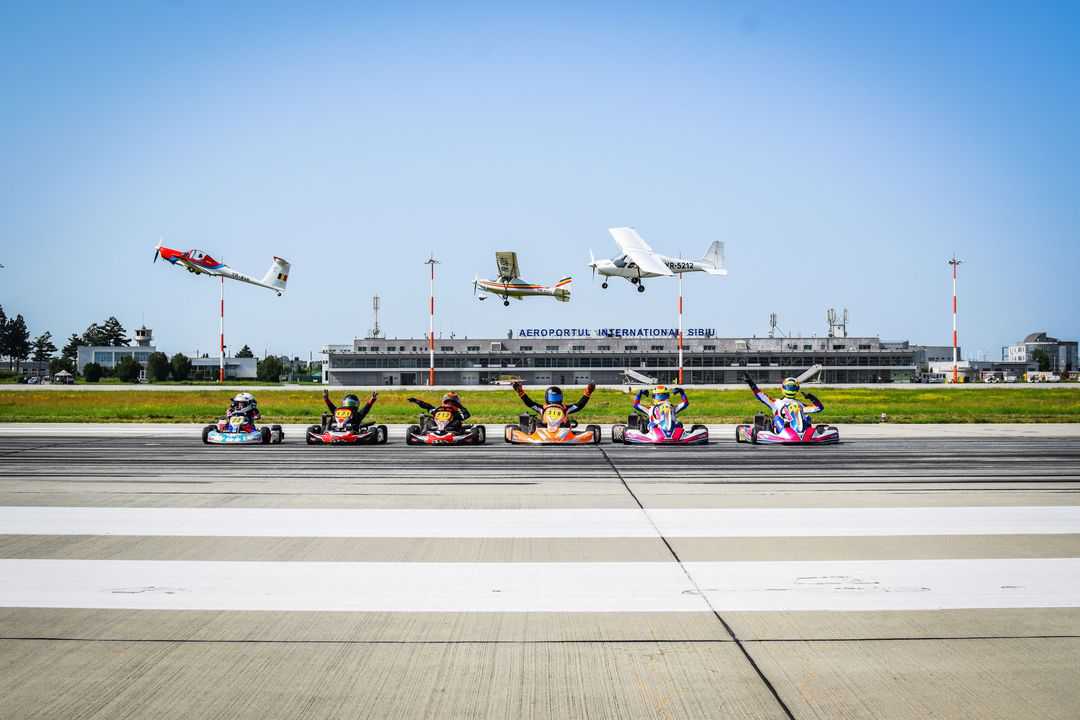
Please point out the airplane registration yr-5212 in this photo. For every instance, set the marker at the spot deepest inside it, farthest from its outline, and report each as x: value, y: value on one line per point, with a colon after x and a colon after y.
x: 198, y: 262
x: 640, y: 261
x: 510, y: 285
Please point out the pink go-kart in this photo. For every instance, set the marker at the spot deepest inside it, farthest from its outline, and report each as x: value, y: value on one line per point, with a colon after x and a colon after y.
x: 660, y: 428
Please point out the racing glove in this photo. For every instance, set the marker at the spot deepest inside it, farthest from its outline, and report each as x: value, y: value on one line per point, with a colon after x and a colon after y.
x: 518, y: 388
x: 812, y: 398
x: 749, y: 380
x: 589, y: 389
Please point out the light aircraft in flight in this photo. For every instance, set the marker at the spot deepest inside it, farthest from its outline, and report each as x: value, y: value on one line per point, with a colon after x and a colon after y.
x: 198, y: 262
x: 639, y: 261
x: 510, y: 285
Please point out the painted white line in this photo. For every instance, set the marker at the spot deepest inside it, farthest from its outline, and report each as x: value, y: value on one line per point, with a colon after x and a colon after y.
x: 540, y: 587
x: 563, y: 523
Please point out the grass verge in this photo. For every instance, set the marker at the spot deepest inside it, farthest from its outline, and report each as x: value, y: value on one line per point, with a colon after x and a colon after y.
x: 857, y: 405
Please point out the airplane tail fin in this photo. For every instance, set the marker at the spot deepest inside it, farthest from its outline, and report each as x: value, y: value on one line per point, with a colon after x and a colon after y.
x: 278, y: 274
x: 713, y: 261
x: 562, y: 289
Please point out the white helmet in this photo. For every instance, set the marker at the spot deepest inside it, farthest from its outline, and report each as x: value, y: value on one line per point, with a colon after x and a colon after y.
x: 244, y: 398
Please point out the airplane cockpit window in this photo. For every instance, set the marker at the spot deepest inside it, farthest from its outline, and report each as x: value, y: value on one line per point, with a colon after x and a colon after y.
x: 196, y: 254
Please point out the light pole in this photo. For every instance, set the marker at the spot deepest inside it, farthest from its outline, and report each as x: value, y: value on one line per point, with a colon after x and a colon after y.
x: 955, y: 365
x: 221, y: 355
x: 431, y: 321
x: 680, y: 331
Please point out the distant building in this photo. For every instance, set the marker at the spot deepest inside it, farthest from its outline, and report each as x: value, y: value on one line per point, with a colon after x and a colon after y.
x: 206, y: 368
x: 107, y: 356
x: 604, y: 356
x: 1062, y: 353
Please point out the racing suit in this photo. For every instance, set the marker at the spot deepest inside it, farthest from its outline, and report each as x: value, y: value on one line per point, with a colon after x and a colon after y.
x: 676, y: 409
x: 461, y: 414
x: 358, y: 414
x: 782, y: 407
x: 248, y: 410
x: 568, y: 410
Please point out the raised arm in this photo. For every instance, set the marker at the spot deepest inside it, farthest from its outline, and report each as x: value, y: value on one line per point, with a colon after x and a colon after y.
x: 683, y: 401
x: 637, y: 403
x: 362, y: 412
x: 326, y: 399
x: 818, y: 407
x: 421, y: 404
x: 529, y: 402
x: 762, y: 397
x: 583, y: 401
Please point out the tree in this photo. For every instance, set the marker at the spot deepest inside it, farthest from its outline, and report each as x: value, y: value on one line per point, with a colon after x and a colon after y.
x: 71, y: 350
x: 114, y: 333
x: 61, y: 363
x: 269, y: 369
x: 92, y: 372
x: 3, y: 332
x: 245, y: 352
x: 157, y: 366
x: 17, y: 340
x: 1042, y: 357
x: 43, y: 346
x: 94, y: 335
x: 127, y: 369
x: 181, y: 367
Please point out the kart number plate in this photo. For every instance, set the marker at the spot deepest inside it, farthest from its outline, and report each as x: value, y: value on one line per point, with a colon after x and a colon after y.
x: 237, y: 420
x: 342, y: 414
x: 553, y: 415
x: 443, y: 416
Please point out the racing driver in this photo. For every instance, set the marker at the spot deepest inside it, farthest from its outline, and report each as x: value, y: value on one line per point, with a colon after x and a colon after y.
x: 451, y: 401
x: 786, y: 409
x: 352, y: 403
x: 554, y: 396
x: 661, y: 394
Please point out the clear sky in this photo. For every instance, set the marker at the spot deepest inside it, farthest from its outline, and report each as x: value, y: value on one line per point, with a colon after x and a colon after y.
x: 842, y: 151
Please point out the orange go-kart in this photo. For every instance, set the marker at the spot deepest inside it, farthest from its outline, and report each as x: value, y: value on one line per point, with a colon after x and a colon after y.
x: 553, y: 427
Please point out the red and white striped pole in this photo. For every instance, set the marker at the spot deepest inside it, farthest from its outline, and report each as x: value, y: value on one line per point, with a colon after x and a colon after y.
x: 431, y: 322
x: 680, y: 332
x: 221, y: 361
x: 955, y: 365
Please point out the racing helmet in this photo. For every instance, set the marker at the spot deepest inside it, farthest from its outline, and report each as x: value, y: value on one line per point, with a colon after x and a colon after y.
x: 553, y: 395
x: 350, y: 401
x: 661, y: 393
x: 243, y: 398
x: 451, y: 398
x: 790, y: 387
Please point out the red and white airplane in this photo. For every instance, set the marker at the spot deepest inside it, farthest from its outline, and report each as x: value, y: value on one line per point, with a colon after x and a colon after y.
x: 198, y: 262
x: 510, y: 285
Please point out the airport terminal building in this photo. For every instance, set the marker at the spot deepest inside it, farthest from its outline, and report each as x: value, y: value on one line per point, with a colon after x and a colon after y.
x: 575, y: 356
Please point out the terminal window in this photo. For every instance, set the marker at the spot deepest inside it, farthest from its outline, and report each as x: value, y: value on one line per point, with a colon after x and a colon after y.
x: 577, y: 347
x: 446, y: 348
x: 630, y: 348
x: 656, y: 347
x: 551, y: 348
x: 526, y: 348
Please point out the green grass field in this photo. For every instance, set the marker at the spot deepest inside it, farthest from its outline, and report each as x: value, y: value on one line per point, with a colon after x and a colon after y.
x: 863, y: 405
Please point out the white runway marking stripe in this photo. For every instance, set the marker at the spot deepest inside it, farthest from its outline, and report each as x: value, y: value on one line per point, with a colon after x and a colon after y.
x: 540, y: 587
x: 563, y: 523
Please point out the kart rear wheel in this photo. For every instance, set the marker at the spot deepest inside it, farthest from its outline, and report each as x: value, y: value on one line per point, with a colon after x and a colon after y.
x: 313, y: 429
x: 618, y: 433
x: 206, y: 434
x: 595, y: 430
x: 508, y: 431
x: 382, y: 434
x: 633, y: 421
x: 412, y: 429
x: 265, y: 433
x: 480, y: 436
x: 277, y: 434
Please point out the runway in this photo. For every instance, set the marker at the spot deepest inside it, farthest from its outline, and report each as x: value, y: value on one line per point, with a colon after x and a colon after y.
x: 905, y: 573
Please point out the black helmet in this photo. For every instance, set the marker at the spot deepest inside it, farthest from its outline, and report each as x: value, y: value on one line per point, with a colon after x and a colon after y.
x: 350, y: 401
x: 553, y: 395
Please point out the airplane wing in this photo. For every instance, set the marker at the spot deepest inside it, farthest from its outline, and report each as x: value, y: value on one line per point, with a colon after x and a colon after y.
x: 506, y: 260
x: 637, y: 250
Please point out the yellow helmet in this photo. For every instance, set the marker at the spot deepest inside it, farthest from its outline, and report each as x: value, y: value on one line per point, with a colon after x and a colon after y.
x: 790, y: 387
x: 661, y: 393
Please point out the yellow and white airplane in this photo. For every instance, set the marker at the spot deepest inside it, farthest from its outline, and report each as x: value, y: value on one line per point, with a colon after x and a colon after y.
x: 510, y: 285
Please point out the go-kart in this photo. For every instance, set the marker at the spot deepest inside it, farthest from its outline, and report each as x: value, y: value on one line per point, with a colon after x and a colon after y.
x: 337, y: 430
x: 796, y: 430
x: 238, y: 430
x: 660, y: 428
x: 437, y: 428
x: 553, y: 428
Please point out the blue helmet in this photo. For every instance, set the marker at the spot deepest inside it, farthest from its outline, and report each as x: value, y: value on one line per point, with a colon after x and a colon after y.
x: 553, y: 395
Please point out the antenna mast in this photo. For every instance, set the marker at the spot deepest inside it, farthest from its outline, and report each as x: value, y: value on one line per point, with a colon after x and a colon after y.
x: 375, y: 332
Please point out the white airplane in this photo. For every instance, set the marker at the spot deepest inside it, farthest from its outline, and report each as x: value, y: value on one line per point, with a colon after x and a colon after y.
x: 510, y: 285
x: 639, y: 261
x: 198, y: 262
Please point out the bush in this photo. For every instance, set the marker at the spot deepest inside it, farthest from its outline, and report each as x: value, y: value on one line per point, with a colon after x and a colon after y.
x: 181, y: 367
x: 127, y: 370
x: 92, y: 372
x: 270, y: 369
x: 157, y: 367
x: 58, y: 364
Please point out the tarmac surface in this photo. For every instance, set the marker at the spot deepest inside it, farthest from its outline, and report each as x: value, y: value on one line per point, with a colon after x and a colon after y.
x: 909, y: 572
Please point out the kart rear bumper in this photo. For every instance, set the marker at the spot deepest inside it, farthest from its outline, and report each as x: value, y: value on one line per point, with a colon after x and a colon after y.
x: 698, y: 435
x: 541, y: 436
x: 470, y: 435
x: 814, y: 435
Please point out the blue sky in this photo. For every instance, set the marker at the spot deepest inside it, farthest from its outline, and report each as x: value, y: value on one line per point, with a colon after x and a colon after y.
x: 842, y: 151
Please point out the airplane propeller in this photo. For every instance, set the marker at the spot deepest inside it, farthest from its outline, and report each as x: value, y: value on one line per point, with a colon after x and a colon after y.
x: 157, y: 251
x: 475, y: 287
x: 592, y: 264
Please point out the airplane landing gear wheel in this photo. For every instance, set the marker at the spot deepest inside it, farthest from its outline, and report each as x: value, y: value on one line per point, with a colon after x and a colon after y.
x: 640, y: 288
x: 604, y: 285
x: 506, y: 303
